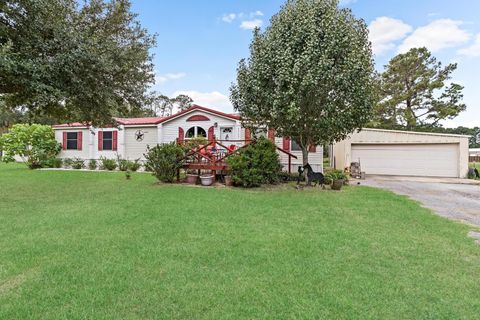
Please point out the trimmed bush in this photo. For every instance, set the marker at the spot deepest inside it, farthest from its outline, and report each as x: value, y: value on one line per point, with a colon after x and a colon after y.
x: 165, y: 160
x: 78, y: 163
x: 52, y: 163
x: 92, y: 164
x: 67, y: 163
x: 256, y: 164
x: 108, y: 164
x: 134, y: 165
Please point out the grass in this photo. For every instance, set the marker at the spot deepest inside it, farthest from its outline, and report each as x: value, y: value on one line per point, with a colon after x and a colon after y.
x: 88, y: 245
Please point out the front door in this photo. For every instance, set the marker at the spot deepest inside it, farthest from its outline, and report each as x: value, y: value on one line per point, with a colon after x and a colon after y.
x: 226, y: 133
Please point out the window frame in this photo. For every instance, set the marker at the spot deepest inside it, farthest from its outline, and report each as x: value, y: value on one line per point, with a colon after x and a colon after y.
x: 108, y: 140
x: 75, y: 140
x: 195, y: 133
x: 294, y: 146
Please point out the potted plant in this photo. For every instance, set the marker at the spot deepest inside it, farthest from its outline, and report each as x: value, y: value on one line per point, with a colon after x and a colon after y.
x: 336, y: 179
x: 207, y: 179
x: 228, y: 181
x: 192, y: 177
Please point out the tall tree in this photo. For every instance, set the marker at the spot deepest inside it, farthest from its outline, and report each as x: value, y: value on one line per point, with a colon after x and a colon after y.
x: 84, y: 62
x: 182, y: 102
x: 414, y: 91
x: 309, y: 75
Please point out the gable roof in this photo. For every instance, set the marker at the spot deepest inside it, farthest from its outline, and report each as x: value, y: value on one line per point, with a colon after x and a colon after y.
x: 156, y: 120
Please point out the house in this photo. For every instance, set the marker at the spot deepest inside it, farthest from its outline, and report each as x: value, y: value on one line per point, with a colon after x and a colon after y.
x: 474, y: 152
x: 129, y: 140
x: 405, y: 153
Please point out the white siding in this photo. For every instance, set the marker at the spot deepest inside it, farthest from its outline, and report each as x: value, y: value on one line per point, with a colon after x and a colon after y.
x: 135, y: 149
x: 314, y: 158
x: 86, y: 137
x: 170, y: 128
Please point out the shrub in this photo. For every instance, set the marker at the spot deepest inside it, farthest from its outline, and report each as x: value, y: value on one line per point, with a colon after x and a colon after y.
x: 108, y: 164
x: 333, y: 175
x: 67, y: 163
x: 92, y: 164
x: 134, y: 165
x: 78, y: 163
x: 122, y: 164
x: 52, y: 163
x: 256, y: 164
x: 194, y: 143
x: 35, y: 144
x: 288, y: 177
x: 165, y: 160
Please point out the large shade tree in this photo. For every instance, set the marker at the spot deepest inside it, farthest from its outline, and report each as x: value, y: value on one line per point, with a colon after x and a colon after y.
x: 414, y: 91
x: 309, y: 75
x: 80, y: 62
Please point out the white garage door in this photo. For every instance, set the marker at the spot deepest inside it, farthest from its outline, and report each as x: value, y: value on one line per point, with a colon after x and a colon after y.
x: 433, y: 160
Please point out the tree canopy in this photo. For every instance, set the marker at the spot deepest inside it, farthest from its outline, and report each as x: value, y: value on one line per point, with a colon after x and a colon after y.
x: 309, y: 75
x: 414, y: 91
x: 84, y: 62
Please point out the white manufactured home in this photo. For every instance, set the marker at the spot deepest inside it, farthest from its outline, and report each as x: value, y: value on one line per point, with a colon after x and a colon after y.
x: 130, y: 138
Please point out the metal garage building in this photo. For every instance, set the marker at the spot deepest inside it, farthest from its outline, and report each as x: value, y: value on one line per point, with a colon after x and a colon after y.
x: 390, y: 152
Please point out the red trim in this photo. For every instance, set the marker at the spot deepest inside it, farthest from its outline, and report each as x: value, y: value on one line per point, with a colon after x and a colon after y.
x: 312, y: 148
x: 114, y: 140
x: 196, y: 107
x: 64, y: 144
x: 271, y: 135
x: 79, y: 140
x: 211, y: 135
x: 100, y: 140
x: 181, y: 135
x: 286, y: 144
x: 198, y: 117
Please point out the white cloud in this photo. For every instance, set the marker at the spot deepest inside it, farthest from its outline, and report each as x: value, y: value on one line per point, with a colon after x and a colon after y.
x: 437, y: 35
x: 163, y: 78
x: 473, y: 50
x: 251, y: 24
x: 228, y: 18
x: 346, y: 2
x: 384, y: 31
x: 214, y: 99
x: 257, y: 13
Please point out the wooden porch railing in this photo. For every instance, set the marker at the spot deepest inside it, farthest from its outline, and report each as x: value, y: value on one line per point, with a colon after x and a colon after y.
x: 213, y: 155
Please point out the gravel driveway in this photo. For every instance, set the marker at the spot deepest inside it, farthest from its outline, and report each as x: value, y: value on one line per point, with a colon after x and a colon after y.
x: 455, y: 199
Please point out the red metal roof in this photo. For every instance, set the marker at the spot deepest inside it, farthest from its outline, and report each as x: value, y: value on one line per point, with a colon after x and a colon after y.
x: 156, y: 120
x: 138, y: 121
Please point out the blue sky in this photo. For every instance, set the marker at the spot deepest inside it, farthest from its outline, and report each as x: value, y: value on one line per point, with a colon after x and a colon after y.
x: 201, y: 41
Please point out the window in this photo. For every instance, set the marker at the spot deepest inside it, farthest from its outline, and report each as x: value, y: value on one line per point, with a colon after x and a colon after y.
x: 195, y: 132
x: 72, y: 140
x: 295, y: 146
x: 107, y: 140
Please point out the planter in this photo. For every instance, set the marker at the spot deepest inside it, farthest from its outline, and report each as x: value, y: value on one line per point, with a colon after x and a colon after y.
x: 192, y: 178
x: 228, y: 181
x: 207, y: 180
x: 337, y: 184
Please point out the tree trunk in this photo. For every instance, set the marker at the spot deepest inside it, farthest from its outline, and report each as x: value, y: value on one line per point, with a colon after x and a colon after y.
x: 305, y: 162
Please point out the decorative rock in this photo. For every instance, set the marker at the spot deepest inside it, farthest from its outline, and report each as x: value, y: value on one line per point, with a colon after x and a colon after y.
x: 475, y: 235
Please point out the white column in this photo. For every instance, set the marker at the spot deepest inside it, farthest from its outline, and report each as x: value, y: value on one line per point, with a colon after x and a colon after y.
x: 121, y: 141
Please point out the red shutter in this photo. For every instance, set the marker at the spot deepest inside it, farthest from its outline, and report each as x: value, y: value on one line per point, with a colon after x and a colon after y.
x: 100, y: 140
x: 181, y: 135
x: 271, y: 135
x: 79, y: 140
x: 64, y: 144
x: 248, y: 135
x: 211, y: 135
x: 312, y: 148
x: 115, y: 140
x: 286, y: 144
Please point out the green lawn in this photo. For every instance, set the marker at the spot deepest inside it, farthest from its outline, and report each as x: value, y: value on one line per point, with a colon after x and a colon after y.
x: 83, y: 245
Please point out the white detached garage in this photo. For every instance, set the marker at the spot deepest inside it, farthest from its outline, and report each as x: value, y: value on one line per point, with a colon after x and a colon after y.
x: 389, y: 152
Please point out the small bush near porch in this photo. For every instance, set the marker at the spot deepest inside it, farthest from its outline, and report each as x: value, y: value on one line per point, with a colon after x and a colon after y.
x: 93, y: 245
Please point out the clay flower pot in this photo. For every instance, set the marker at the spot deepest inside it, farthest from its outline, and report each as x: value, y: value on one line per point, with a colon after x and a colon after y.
x: 207, y: 180
x: 192, y: 178
x: 228, y: 181
x: 337, y: 184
